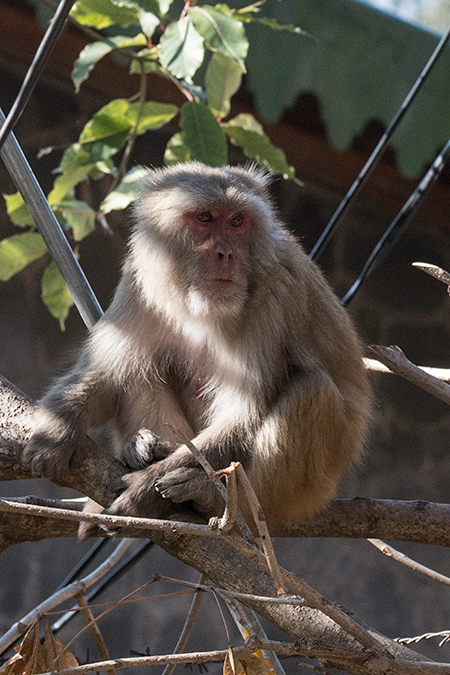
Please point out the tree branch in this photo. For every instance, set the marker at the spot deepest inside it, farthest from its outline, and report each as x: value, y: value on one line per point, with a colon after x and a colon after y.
x: 215, y: 558
x: 394, y: 359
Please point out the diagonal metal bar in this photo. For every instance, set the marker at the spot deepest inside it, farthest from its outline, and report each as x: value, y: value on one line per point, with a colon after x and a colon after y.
x: 50, y: 230
x: 40, y: 59
x: 400, y: 222
x: 376, y: 154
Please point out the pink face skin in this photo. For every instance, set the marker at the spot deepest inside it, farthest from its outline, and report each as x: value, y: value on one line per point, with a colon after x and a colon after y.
x: 219, y: 233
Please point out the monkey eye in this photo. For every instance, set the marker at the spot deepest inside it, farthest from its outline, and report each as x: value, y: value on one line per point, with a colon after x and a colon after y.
x: 205, y: 217
x: 237, y: 220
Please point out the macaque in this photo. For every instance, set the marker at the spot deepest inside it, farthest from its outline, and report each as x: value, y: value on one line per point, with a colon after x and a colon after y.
x: 223, y: 331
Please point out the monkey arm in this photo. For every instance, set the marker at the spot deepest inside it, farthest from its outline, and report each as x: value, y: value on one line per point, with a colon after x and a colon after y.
x: 76, y: 403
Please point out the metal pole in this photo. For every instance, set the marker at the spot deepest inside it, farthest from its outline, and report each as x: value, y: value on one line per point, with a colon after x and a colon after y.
x: 50, y: 230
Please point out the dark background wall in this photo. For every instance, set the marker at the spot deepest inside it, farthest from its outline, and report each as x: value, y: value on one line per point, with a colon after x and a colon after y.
x: 408, y: 448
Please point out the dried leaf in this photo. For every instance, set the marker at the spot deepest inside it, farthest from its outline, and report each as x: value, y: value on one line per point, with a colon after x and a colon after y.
x: 32, y: 652
x: 56, y: 655
x: 32, y: 657
x: 256, y: 664
x: 232, y: 666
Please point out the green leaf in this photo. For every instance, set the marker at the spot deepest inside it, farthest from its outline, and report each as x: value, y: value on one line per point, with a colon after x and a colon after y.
x: 202, y: 134
x: 153, y: 6
x: 120, y: 116
x: 222, y: 32
x: 63, y: 184
x: 107, y: 121
x: 176, y: 151
x: 103, y: 13
x: 126, y: 192
x: 181, y: 49
x: 75, y: 165
x: 72, y: 158
x: 17, y: 211
x: 19, y: 250
x: 148, y: 22
x: 149, y: 58
x: 258, y: 146
x: 55, y: 294
x: 79, y: 216
x: 153, y: 115
x: 223, y: 79
x: 94, y: 51
x: 247, y: 121
x: 165, y: 5
x: 106, y: 132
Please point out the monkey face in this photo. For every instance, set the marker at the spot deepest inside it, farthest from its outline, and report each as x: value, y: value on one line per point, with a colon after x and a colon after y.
x: 220, y: 237
x: 202, y: 235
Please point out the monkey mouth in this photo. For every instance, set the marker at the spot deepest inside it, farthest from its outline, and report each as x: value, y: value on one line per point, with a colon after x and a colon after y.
x: 222, y: 285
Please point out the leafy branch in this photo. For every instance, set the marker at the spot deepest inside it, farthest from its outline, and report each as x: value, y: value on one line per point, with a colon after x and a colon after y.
x: 202, y: 52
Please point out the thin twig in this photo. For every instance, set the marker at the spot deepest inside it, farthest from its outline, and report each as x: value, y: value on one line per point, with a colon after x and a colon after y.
x: 20, y: 627
x: 94, y: 629
x: 298, y: 586
x: 187, y: 628
x: 396, y: 361
x: 207, y: 588
x: 405, y: 560
x: 261, y: 525
x: 201, y: 459
x: 134, y: 133
x: 226, y: 523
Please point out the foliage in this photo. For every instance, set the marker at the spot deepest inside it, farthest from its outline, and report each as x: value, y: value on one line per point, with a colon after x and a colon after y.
x: 202, y: 51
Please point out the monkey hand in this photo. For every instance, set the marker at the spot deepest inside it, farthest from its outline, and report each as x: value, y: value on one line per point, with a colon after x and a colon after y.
x: 155, y: 491
x: 48, y: 457
x: 143, y: 449
x: 191, y: 485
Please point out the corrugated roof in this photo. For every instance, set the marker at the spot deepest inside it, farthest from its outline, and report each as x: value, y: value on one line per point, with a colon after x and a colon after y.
x: 360, y: 66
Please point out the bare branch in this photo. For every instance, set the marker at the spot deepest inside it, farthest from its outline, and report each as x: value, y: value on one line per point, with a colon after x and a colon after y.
x: 405, y: 560
x: 226, y: 523
x: 291, y: 600
x: 434, y: 271
x: 187, y: 628
x: 345, y: 658
x: 231, y: 570
x: 396, y: 361
x: 261, y: 525
x: 94, y: 629
x: 438, y: 373
x: 70, y: 591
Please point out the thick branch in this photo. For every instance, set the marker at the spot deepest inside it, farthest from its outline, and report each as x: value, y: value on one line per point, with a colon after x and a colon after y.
x: 214, y: 557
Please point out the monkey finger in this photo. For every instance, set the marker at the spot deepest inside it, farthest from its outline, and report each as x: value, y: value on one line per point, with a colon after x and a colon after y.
x: 187, y: 485
x: 143, y: 449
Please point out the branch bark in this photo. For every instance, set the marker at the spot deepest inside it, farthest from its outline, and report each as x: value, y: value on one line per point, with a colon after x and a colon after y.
x: 215, y: 558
